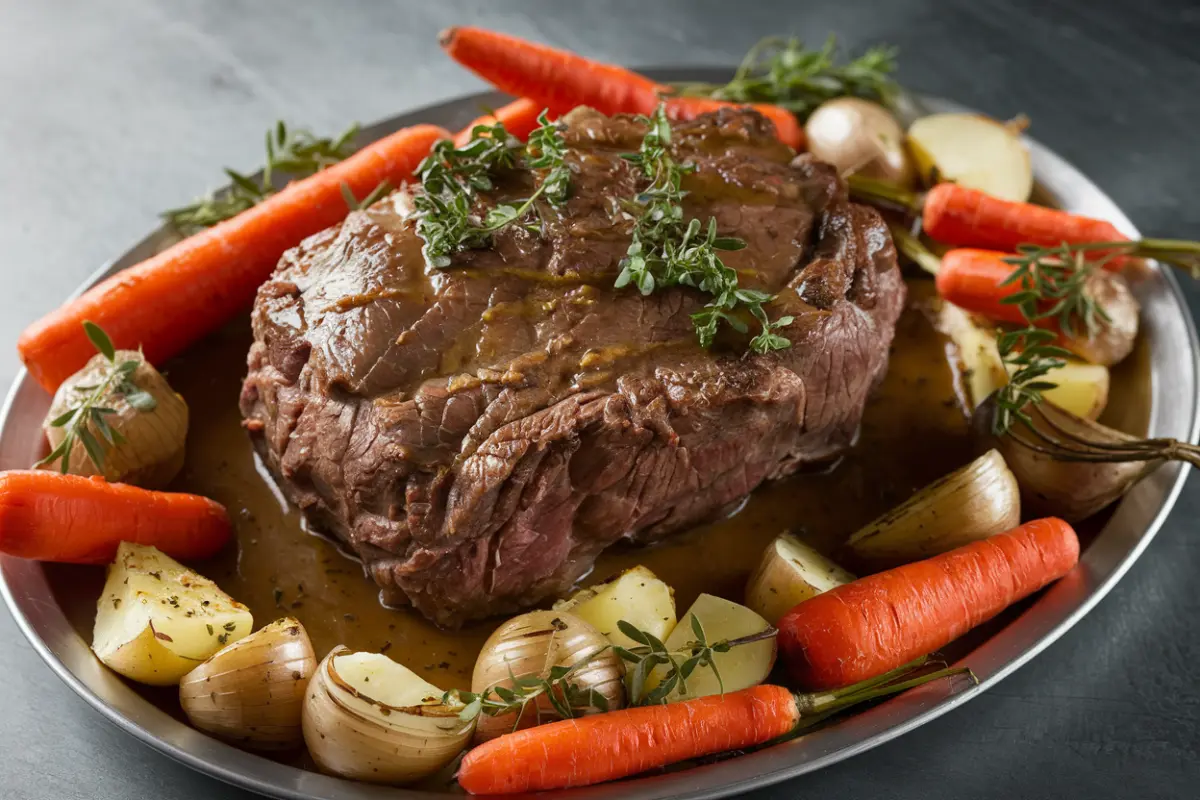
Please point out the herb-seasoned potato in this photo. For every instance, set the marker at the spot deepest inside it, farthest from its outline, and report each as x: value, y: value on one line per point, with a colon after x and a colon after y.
x: 636, y: 596
x: 790, y: 572
x: 740, y: 668
x: 156, y: 619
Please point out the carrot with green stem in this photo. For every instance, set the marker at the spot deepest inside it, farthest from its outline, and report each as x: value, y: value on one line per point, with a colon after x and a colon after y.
x: 520, y: 118
x: 171, y: 300
x: 956, y: 215
x: 561, y: 80
x: 605, y: 747
x: 875, y: 624
x: 50, y: 516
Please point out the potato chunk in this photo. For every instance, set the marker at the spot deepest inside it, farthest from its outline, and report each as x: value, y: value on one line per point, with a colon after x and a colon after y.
x: 741, y: 667
x: 636, y: 596
x: 790, y: 572
x: 973, y: 151
x: 156, y: 619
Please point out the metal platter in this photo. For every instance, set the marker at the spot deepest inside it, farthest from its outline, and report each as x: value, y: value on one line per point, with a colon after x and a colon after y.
x: 1175, y: 412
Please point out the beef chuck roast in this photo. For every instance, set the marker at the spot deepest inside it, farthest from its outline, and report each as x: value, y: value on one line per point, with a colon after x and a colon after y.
x: 479, y: 434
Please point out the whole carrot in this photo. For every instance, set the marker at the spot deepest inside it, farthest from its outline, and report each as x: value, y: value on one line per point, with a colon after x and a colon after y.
x: 874, y: 624
x: 556, y: 79
x: 50, y: 516
x: 604, y: 747
x: 974, y: 280
x: 520, y: 118
x: 169, y: 301
x: 561, y: 80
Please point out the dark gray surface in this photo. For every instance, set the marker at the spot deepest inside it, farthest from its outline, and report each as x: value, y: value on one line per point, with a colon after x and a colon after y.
x: 111, y: 112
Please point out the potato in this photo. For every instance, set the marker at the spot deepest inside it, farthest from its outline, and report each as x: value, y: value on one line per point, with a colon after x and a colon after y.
x: 156, y: 619
x: 636, y: 596
x: 1082, y: 388
x: 790, y: 572
x: 973, y: 151
x: 741, y: 667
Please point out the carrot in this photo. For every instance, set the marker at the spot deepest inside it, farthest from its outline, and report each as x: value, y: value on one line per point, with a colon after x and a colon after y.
x: 957, y: 215
x: 873, y: 624
x: 174, y: 298
x: 519, y: 118
x: 556, y: 79
x: 971, y: 279
x: 561, y: 80
x: 49, y: 516
x: 787, y: 127
x: 604, y: 747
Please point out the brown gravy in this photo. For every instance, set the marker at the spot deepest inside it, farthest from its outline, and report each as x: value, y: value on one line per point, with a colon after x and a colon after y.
x: 913, y: 432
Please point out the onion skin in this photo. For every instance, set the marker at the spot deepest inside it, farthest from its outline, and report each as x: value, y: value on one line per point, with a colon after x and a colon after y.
x: 251, y: 693
x: 351, y: 735
x: 862, y: 138
x: 1072, y: 490
x: 153, y: 452
x: 1113, y: 340
x: 532, y: 644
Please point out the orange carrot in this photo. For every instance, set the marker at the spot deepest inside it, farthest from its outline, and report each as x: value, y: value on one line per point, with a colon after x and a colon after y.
x: 787, y: 127
x: 556, y: 79
x: 561, y: 80
x: 519, y: 118
x: 957, y: 215
x: 971, y: 279
x: 174, y: 298
x: 49, y: 516
x: 874, y: 624
x: 604, y: 747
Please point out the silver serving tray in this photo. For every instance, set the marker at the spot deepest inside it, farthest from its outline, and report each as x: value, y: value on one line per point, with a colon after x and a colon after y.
x: 1174, y: 412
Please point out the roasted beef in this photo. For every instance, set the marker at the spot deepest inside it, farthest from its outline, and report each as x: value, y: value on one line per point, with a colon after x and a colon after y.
x: 479, y: 434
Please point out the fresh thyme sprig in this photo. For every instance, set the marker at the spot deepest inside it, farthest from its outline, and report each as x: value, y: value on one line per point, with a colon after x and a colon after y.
x: 651, y: 653
x: 291, y: 153
x: 1053, y: 289
x: 452, y: 179
x: 87, y: 413
x: 567, y: 698
x: 663, y: 252
x: 786, y: 73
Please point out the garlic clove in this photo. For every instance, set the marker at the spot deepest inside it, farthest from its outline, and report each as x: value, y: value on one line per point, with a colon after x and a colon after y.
x: 251, y: 693
x: 971, y: 503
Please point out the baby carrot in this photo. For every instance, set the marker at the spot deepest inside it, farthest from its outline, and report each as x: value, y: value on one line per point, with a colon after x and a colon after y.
x: 957, y: 215
x: 519, y: 118
x: 51, y: 516
x: 874, y: 624
x: 561, y: 80
x: 604, y: 747
x: 174, y: 298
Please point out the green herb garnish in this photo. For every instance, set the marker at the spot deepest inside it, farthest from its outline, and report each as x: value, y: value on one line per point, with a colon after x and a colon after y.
x: 664, y: 252
x: 291, y: 154
x: 452, y: 179
x: 85, y: 422
x: 785, y: 73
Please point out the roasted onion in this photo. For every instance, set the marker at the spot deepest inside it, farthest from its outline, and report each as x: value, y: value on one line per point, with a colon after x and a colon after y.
x: 1113, y: 339
x: 1059, y: 485
x: 370, y: 719
x: 532, y: 645
x: 971, y: 503
x: 251, y: 693
x: 861, y: 138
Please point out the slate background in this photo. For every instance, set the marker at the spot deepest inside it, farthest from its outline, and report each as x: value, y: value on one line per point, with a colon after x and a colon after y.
x: 112, y: 111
